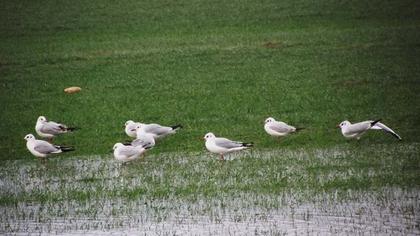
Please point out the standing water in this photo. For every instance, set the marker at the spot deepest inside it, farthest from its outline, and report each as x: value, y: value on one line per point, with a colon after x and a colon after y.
x: 97, y: 195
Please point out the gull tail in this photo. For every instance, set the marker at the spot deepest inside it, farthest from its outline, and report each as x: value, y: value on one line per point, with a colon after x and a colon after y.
x: 247, y: 144
x: 66, y: 148
x: 175, y: 127
x: 148, y: 146
x: 71, y: 129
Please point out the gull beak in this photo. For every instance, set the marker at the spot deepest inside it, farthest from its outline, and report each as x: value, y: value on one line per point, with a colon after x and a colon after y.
x: 337, y: 126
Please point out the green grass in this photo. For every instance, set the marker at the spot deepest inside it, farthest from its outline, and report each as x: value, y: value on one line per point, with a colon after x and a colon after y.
x: 209, y: 65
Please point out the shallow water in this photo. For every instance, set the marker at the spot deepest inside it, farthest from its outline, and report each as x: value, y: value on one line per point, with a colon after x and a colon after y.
x: 393, y: 212
x: 385, y: 211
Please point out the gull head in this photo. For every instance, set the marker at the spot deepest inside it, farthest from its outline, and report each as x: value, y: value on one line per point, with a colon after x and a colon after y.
x: 117, y: 145
x: 129, y: 122
x: 209, y: 136
x: 138, y: 126
x: 344, y: 124
x: 269, y: 119
x: 29, y: 137
x: 42, y: 119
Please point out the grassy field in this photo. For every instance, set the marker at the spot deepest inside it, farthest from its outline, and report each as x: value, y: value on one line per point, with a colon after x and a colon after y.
x: 212, y: 66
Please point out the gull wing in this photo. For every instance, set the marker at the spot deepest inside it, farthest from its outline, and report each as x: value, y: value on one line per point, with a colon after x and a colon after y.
x: 52, y: 128
x: 142, y: 142
x: 385, y: 128
x: 128, y: 151
x: 226, y: 143
x: 45, y: 147
x: 157, y: 129
x: 281, y: 127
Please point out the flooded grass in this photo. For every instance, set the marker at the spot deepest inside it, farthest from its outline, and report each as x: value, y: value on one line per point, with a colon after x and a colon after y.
x: 339, y: 190
x: 391, y: 211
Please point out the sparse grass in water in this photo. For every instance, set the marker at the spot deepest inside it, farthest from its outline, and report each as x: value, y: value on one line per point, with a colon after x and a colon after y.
x: 256, y: 189
x: 192, y: 176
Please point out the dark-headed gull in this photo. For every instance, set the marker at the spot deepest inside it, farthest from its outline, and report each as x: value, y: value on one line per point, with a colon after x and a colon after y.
x: 49, y: 129
x: 223, y: 145
x: 41, y: 148
x: 126, y: 153
x: 356, y: 130
x: 278, y: 128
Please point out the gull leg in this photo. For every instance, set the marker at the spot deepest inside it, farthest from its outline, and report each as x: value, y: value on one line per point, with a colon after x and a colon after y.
x: 221, y: 157
x: 43, y: 160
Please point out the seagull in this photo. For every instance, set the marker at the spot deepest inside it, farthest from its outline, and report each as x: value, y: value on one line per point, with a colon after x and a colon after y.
x: 158, y: 131
x: 41, y: 148
x: 49, y: 129
x: 126, y: 153
x: 278, y: 128
x: 356, y: 130
x: 223, y: 145
x: 129, y: 127
x: 143, y: 138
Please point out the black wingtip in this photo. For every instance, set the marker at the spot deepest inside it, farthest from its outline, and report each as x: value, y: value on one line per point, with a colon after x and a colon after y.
x: 395, y: 135
x: 299, y: 128
x: 177, y: 126
x: 374, y: 122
